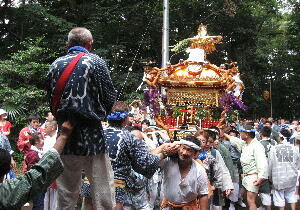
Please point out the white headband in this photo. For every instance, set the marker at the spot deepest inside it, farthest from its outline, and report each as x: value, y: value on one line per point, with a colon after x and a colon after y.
x: 214, y: 130
x: 189, y: 143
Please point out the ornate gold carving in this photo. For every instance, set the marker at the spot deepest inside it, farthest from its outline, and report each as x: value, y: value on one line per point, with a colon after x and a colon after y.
x: 192, y: 96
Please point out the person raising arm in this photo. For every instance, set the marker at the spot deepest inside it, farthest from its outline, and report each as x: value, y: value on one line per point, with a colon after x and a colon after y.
x: 16, y: 192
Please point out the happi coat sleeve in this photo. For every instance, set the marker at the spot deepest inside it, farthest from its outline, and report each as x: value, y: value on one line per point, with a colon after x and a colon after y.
x: 16, y: 192
x: 4, y: 144
x: 105, y: 85
x: 217, y: 179
x: 142, y: 161
x: 226, y: 178
x: 271, y: 159
x: 237, y: 143
x: 261, y: 161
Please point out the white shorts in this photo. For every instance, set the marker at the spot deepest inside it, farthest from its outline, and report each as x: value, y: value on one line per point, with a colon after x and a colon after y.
x: 279, y: 196
x: 265, y: 199
x: 248, y: 181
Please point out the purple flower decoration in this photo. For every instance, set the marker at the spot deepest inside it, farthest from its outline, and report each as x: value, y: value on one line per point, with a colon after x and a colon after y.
x: 150, y: 99
x: 230, y: 102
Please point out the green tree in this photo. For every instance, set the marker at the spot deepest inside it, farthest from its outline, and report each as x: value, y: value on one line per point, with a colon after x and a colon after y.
x: 256, y: 34
x: 23, y: 84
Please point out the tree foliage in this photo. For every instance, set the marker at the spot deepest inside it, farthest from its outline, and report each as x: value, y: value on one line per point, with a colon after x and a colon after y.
x: 259, y: 34
x: 22, y: 82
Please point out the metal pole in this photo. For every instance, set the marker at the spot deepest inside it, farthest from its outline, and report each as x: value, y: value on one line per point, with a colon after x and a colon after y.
x: 165, y: 38
x: 271, y: 99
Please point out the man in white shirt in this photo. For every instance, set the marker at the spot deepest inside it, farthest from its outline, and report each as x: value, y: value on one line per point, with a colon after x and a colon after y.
x: 50, y: 201
x: 185, y: 181
x: 51, y: 134
x: 253, y: 160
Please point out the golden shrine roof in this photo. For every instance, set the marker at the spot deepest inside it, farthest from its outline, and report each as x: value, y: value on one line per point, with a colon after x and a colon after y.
x: 196, y: 71
x: 192, y: 74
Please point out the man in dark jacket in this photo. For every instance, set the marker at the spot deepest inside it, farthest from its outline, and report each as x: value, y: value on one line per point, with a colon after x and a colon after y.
x: 86, y: 99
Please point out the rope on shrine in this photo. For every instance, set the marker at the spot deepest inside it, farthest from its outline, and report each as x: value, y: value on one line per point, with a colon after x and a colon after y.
x: 137, y: 52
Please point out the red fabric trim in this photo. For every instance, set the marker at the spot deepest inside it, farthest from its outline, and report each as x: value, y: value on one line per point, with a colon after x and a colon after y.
x: 61, y: 83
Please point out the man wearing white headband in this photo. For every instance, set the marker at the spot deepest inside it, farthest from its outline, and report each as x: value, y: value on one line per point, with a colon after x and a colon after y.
x: 185, y: 181
x: 253, y: 160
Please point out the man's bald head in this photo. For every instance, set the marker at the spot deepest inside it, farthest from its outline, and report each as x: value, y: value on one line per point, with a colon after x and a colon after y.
x: 79, y: 36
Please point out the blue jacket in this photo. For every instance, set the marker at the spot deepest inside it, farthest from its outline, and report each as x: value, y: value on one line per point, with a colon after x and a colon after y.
x: 87, y: 98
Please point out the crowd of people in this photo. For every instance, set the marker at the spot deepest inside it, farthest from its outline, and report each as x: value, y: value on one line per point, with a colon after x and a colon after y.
x: 245, y: 159
x: 229, y: 167
x: 106, y: 152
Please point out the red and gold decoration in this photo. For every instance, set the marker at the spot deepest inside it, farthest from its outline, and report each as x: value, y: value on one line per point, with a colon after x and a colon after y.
x: 194, y: 90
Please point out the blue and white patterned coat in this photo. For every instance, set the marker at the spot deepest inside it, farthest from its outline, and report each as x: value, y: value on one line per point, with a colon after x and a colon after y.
x: 126, y: 152
x: 87, y: 98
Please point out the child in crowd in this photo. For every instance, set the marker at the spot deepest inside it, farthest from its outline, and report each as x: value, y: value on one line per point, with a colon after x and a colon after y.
x: 33, y: 156
x: 26, y: 133
x: 5, y: 125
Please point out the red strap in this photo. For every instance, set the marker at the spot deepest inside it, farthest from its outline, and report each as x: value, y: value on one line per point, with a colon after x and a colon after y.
x: 61, y: 83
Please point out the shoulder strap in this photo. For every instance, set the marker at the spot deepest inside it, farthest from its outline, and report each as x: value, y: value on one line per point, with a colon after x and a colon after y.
x: 61, y: 83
